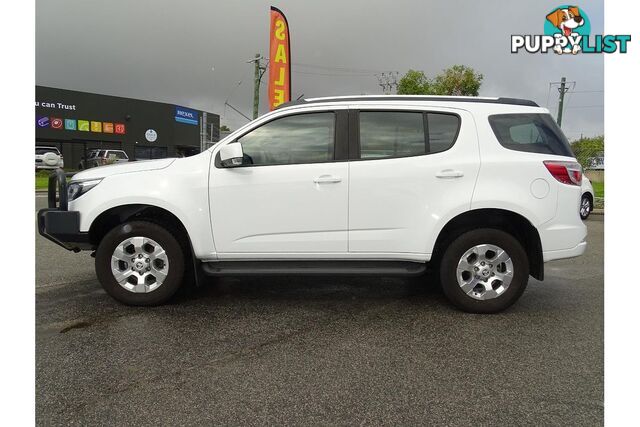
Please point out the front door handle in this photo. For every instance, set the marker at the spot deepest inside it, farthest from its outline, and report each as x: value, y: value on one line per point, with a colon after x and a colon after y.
x: 449, y: 173
x: 327, y: 179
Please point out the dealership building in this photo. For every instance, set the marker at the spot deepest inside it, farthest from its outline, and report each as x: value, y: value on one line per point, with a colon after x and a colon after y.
x: 77, y: 122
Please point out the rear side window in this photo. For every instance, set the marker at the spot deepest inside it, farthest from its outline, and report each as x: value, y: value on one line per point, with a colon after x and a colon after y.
x: 101, y: 153
x: 391, y: 134
x: 532, y: 133
x: 386, y: 134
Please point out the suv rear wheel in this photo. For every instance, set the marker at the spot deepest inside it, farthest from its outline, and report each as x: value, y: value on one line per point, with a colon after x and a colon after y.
x: 140, y: 263
x: 484, y: 271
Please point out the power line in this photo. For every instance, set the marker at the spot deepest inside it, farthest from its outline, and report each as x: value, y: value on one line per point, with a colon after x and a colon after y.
x: 332, y: 74
x: 336, y: 68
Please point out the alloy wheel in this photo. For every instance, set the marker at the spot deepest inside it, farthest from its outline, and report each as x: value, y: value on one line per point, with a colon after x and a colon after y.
x: 484, y: 272
x: 139, y: 264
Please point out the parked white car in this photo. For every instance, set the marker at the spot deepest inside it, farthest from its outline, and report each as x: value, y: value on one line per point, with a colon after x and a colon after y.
x: 48, y: 158
x: 485, y: 189
x: 586, y: 202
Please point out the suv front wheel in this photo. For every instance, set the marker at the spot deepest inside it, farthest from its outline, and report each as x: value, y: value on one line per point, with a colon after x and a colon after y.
x: 484, y: 271
x: 140, y: 263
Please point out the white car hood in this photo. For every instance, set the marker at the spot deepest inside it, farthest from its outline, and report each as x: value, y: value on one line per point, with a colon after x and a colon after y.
x: 128, y: 167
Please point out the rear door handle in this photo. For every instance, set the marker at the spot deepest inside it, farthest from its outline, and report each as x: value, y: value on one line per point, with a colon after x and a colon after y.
x: 327, y: 179
x: 449, y: 173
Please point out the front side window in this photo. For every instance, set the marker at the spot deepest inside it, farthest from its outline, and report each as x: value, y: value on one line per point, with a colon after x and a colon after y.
x: 533, y: 133
x: 303, y: 138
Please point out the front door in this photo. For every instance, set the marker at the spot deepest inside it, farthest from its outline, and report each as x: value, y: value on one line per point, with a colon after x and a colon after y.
x: 291, y: 194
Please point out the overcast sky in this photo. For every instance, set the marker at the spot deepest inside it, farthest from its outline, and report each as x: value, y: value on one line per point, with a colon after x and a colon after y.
x: 165, y: 50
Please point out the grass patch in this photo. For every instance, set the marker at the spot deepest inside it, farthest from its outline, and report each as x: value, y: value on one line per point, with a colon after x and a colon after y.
x: 42, y: 179
x: 598, y: 188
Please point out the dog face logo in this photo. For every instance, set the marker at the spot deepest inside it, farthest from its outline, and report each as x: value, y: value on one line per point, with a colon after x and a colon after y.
x: 565, y: 22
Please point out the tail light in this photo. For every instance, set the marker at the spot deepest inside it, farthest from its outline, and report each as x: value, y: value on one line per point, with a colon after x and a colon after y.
x: 103, y: 161
x: 565, y: 172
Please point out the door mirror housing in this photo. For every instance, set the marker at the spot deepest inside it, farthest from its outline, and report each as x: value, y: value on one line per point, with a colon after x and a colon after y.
x: 231, y: 155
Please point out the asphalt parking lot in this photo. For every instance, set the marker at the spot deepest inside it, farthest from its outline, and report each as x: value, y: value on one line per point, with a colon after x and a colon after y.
x: 318, y: 351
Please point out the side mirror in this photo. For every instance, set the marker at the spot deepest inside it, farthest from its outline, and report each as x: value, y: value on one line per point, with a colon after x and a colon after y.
x: 231, y: 155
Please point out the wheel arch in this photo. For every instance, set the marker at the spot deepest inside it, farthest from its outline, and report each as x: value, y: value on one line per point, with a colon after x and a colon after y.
x: 117, y: 215
x: 591, y: 198
x: 502, y: 219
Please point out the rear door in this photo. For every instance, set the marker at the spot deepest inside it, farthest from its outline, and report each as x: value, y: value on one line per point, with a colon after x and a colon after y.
x: 409, y: 168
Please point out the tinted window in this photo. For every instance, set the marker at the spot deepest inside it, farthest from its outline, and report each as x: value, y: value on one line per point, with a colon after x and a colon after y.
x: 43, y: 150
x: 533, y: 133
x: 117, y: 154
x: 101, y: 153
x: 391, y: 134
x: 304, y: 138
x: 443, y: 129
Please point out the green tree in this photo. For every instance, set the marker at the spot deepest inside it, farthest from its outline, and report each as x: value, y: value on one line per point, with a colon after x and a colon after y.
x: 414, y: 83
x: 456, y: 80
x: 586, y: 148
x: 224, y: 128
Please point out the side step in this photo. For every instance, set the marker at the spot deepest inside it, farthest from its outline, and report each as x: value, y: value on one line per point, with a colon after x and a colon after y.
x: 279, y: 268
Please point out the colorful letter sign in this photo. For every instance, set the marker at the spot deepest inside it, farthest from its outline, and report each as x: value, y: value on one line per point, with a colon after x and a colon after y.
x: 279, y: 60
x: 107, y: 127
x: 83, y: 125
x: 96, y: 127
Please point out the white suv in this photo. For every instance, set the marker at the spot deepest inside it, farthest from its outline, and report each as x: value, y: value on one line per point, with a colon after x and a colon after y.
x: 48, y: 158
x: 485, y: 189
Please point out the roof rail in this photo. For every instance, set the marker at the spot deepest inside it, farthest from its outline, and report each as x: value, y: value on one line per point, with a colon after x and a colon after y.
x: 356, y: 98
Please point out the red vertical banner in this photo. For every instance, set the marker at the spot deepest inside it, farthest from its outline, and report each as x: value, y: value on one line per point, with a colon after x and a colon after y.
x: 279, y: 60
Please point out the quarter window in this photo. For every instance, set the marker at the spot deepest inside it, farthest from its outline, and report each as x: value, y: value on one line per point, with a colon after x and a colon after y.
x: 530, y: 132
x: 443, y: 129
x: 303, y: 138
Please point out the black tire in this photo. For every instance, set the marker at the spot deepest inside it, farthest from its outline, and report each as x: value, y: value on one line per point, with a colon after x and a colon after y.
x: 164, y: 238
x: 466, y: 241
x: 586, y: 199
